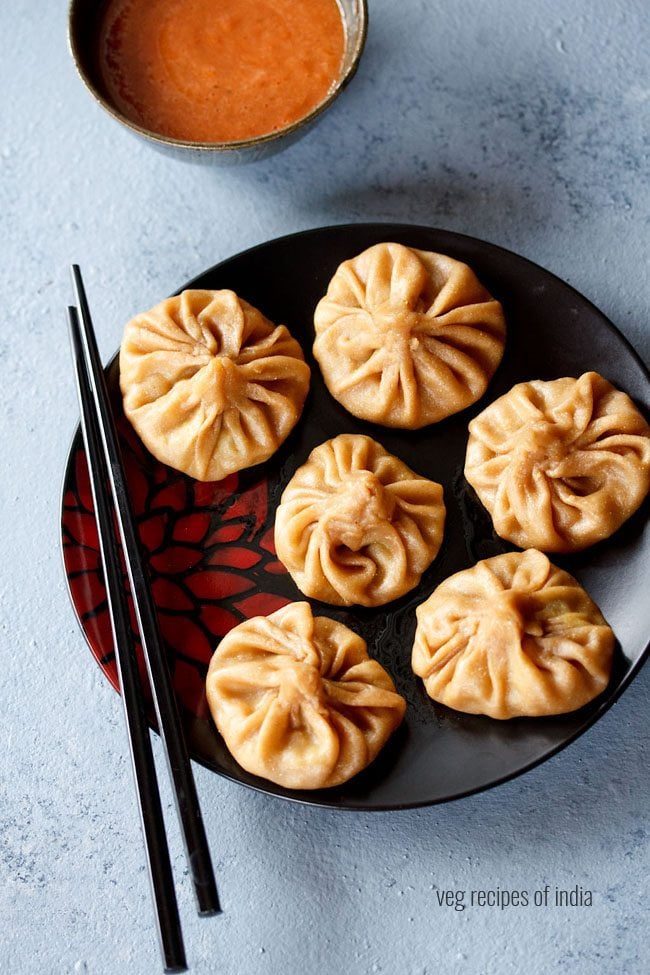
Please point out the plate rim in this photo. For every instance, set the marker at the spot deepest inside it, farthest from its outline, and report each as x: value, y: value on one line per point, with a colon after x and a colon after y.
x: 315, y: 797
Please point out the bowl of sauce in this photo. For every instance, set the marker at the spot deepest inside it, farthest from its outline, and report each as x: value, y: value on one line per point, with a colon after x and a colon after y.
x: 230, y: 79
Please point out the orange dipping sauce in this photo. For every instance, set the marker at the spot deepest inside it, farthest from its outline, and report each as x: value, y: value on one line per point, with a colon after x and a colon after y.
x: 219, y: 70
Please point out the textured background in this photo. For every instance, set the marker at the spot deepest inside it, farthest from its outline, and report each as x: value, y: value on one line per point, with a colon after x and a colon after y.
x: 525, y: 124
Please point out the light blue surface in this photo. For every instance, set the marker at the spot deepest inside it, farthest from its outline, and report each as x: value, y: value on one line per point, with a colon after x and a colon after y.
x: 524, y: 124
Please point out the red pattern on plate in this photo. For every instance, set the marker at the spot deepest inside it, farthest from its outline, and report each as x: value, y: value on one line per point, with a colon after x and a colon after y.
x: 229, y: 533
x: 210, y: 555
x: 237, y: 557
x: 261, y: 604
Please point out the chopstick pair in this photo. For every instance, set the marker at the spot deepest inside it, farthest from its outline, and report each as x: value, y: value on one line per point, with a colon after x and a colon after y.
x: 110, y: 496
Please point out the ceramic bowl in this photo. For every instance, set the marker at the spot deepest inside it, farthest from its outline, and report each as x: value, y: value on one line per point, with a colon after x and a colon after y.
x: 83, y: 25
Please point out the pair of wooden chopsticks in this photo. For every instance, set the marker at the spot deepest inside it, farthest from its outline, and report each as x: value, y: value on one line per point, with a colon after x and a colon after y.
x: 112, y: 504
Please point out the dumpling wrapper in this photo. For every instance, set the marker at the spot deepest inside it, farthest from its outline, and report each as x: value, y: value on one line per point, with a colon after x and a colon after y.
x: 356, y: 526
x: 513, y: 636
x: 559, y: 465
x: 210, y: 385
x: 406, y: 337
x: 298, y: 701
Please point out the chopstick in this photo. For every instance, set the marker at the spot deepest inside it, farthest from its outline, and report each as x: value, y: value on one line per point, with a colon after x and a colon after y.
x: 168, y: 925
x: 168, y: 718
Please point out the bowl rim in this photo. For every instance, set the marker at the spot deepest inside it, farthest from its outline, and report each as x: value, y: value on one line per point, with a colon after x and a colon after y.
x: 240, y: 144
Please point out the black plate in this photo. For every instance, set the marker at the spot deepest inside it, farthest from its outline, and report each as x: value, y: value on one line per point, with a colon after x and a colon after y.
x: 440, y: 754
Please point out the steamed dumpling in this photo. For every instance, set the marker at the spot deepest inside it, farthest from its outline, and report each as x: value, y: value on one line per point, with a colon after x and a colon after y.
x: 211, y: 385
x: 559, y: 465
x: 407, y: 337
x: 510, y: 637
x: 298, y: 700
x: 356, y: 526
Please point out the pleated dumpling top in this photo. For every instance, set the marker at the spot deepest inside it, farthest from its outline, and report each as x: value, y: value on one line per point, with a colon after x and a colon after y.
x: 406, y: 337
x: 298, y: 700
x: 559, y: 465
x: 356, y: 525
x: 513, y: 636
x: 210, y: 385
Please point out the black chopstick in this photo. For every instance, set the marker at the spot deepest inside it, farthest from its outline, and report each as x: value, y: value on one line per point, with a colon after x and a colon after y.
x: 169, y: 722
x: 151, y: 817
